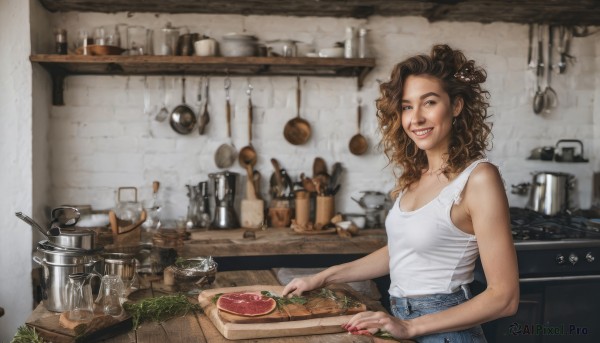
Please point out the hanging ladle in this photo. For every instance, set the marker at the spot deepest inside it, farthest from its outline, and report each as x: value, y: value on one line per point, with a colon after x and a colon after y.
x: 358, y: 144
x: 226, y: 153
x: 550, y: 96
x: 204, y: 117
x: 247, y: 156
x: 538, y: 99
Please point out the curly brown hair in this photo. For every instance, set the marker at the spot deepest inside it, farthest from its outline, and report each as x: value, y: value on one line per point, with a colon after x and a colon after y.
x: 461, y: 78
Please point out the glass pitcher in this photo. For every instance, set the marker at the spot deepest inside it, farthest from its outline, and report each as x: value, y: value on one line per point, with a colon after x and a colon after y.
x: 111, y: 292
x: 80, y: 303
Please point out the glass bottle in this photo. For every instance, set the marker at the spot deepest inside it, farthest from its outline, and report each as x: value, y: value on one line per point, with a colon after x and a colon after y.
x: 60, y: 41
x: 363, y: 49
x: 350, y: 43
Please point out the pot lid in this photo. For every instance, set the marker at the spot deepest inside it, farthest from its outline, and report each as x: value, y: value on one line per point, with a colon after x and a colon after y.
x: 48, y: 247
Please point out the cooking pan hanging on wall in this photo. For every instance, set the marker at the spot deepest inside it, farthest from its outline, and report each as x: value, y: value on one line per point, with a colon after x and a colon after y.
x: 297, y: 131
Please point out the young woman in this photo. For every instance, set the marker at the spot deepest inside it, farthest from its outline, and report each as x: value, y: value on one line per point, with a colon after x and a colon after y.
x: 450, y: 207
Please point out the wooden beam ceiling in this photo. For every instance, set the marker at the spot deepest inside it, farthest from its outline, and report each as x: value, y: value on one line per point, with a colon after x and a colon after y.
x: 557, y: 12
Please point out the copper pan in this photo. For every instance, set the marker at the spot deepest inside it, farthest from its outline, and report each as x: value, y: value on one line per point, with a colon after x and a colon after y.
x: 297, y: 131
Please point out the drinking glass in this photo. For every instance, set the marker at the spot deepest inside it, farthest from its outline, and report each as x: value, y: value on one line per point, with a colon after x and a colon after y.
x: 138, y: 40
x: 111, y: 292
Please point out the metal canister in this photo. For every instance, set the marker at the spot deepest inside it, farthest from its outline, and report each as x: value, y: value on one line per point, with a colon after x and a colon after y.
x: 121, y: 264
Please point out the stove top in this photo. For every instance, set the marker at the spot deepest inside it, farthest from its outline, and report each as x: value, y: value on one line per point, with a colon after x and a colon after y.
x: 532, y: 228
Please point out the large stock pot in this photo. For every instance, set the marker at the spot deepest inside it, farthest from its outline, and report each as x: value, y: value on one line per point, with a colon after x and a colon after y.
x: 550, y: 192
x: 57, y: 265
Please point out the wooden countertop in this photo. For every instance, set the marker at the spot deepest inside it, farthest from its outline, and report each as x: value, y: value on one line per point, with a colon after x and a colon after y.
x: 280, y: 241
x: 198, y: 328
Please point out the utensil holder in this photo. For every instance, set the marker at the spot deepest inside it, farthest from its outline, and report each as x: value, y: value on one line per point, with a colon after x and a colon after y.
x: 302, y: 208
x: 280, y: 216
x: 325, y: 210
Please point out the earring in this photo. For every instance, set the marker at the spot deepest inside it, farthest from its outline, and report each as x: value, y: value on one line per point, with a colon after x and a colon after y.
x: 454, y: 121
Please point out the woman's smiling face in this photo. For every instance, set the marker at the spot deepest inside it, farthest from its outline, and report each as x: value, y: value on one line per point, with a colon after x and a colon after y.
x: 427, y: 112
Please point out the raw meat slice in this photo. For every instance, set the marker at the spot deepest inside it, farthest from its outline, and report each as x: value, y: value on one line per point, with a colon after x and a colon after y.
x: 246, y: 304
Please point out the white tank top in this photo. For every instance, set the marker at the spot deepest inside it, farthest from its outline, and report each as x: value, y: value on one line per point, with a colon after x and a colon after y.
x: 428, y: 253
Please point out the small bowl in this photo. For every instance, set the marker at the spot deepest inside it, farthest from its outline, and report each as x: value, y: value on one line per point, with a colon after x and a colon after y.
x: 336, y: 52
x: 238, y: 45
x: 357, y: 218
x: 197, y: 271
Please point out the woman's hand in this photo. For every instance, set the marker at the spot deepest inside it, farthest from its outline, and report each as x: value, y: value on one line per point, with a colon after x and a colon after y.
x: 300, y: 285
x: 379, y: 321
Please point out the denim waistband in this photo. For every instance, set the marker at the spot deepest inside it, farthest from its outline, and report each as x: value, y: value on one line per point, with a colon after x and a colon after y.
x: 432, y: 300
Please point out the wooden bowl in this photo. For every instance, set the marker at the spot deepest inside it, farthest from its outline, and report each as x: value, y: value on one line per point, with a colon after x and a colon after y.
x: 101, y: 50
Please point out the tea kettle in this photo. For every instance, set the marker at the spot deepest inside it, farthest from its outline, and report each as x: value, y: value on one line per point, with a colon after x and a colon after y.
x: 375, y: 205
x: 127, y: 215
x: 372, y: 200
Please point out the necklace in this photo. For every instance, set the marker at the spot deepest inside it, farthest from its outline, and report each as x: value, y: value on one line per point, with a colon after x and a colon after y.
x: 436, y: 171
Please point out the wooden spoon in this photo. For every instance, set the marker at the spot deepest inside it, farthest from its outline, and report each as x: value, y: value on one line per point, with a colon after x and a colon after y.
x: 276, y: 179
x: 358, y: 144
x: 247, y: 156
x: 319, y: 166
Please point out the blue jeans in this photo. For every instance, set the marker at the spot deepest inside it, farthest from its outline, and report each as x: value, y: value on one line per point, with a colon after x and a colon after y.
x: 410, y: 308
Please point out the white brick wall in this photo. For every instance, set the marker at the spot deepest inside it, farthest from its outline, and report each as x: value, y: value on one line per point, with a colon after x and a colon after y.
x: 102, y: 139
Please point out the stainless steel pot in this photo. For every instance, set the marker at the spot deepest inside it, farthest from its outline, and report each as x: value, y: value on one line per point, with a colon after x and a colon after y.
x: 550, y: 192
x: 57, y: 266
x: 75, y: 239
x: 121, y: 264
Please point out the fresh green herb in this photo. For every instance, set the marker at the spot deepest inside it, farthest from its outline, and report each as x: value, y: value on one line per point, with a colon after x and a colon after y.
x: 25, y: 334
x: 282, y: 301
x: 384, y: 335
x: 216, y: 297
x: 344, y: 302
x: 160, y: 308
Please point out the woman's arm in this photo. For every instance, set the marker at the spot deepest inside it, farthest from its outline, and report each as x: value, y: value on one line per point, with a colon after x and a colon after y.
x: 486, y: 204
x: 371, y: 266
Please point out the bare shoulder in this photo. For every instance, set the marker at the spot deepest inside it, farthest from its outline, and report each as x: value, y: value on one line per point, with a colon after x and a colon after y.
x: 484, y: 175
x: 484, y: 190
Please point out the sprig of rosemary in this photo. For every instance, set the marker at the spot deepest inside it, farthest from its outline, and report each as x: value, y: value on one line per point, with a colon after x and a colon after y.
x: 282, y: 301
x: 25, y: 334
x: 160, y: 308
x: 344, y: 302
x: 216, y: 297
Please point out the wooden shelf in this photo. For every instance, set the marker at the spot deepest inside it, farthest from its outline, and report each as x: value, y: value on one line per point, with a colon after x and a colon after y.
x: 61, y: 66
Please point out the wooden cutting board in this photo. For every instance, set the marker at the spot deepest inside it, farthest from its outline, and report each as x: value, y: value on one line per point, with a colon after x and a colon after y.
x: 316, y: 317
x: 55, y: 327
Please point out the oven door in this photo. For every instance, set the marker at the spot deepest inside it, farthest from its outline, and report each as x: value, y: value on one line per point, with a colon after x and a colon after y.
x: 551, y: 309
